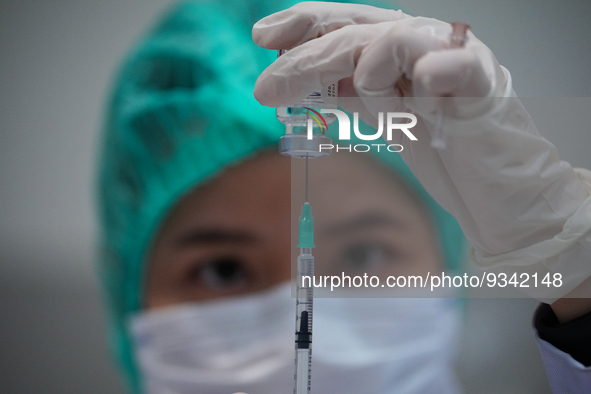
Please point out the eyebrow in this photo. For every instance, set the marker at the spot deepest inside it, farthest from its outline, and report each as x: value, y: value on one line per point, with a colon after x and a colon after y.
x: 216, y: 235
x: 364, y: 221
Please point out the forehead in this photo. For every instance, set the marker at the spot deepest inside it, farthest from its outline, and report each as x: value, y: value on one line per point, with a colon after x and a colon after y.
x: 269, y: 189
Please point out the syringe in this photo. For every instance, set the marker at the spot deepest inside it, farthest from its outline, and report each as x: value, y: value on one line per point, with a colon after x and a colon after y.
x: 305, y: 132
x: 457, y: 39
x: 304, y: 299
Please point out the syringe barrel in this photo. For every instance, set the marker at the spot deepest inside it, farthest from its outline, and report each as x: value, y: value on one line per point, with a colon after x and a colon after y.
x: 302, y: 384
x: 304, y: 313
x: 306, y: 262
x: 305, y: 286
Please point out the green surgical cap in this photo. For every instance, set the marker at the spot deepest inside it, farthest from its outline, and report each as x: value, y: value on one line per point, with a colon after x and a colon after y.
x: 181, y: 111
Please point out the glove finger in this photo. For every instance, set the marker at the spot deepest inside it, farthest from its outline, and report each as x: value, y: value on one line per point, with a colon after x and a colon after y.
x: 351, y: 102
x: 308, y: 20
x: 347, y: 88
x: 314, y: 64
x: 453, y: 73
x: 388, y: 58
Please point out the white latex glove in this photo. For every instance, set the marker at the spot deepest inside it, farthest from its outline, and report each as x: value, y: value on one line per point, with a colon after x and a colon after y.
x: 517, y: 203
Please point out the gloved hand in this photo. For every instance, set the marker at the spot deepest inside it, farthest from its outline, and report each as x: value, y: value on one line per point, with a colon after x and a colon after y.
x: 517, y: 203
x: 368, y: 50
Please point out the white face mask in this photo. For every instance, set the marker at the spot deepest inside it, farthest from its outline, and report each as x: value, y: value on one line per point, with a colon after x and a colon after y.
x: 246, y: 344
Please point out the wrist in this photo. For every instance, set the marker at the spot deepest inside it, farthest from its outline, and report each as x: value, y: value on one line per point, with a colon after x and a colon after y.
x: 569, y: 307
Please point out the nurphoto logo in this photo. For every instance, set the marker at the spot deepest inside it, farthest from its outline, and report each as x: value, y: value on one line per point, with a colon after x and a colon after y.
x: 392, y: 125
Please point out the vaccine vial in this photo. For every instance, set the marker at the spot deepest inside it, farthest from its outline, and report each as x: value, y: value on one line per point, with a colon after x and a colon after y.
x: 305, y: 125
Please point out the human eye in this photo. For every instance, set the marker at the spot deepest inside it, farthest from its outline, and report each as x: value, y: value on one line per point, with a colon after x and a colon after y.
x: 366, y: 257
x: 221, y: 273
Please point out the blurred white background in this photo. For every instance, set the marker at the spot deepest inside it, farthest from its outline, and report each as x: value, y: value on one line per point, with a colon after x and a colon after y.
x: 56, y: 62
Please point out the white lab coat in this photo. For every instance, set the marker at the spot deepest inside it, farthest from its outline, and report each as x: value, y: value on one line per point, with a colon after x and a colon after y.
x: 565, y: 374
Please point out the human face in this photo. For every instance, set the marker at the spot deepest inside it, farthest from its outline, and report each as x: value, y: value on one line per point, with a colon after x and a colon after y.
x: 233, y: 235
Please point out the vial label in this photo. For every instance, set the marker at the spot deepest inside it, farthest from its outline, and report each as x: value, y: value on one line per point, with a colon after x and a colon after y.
x: 328, y: 94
